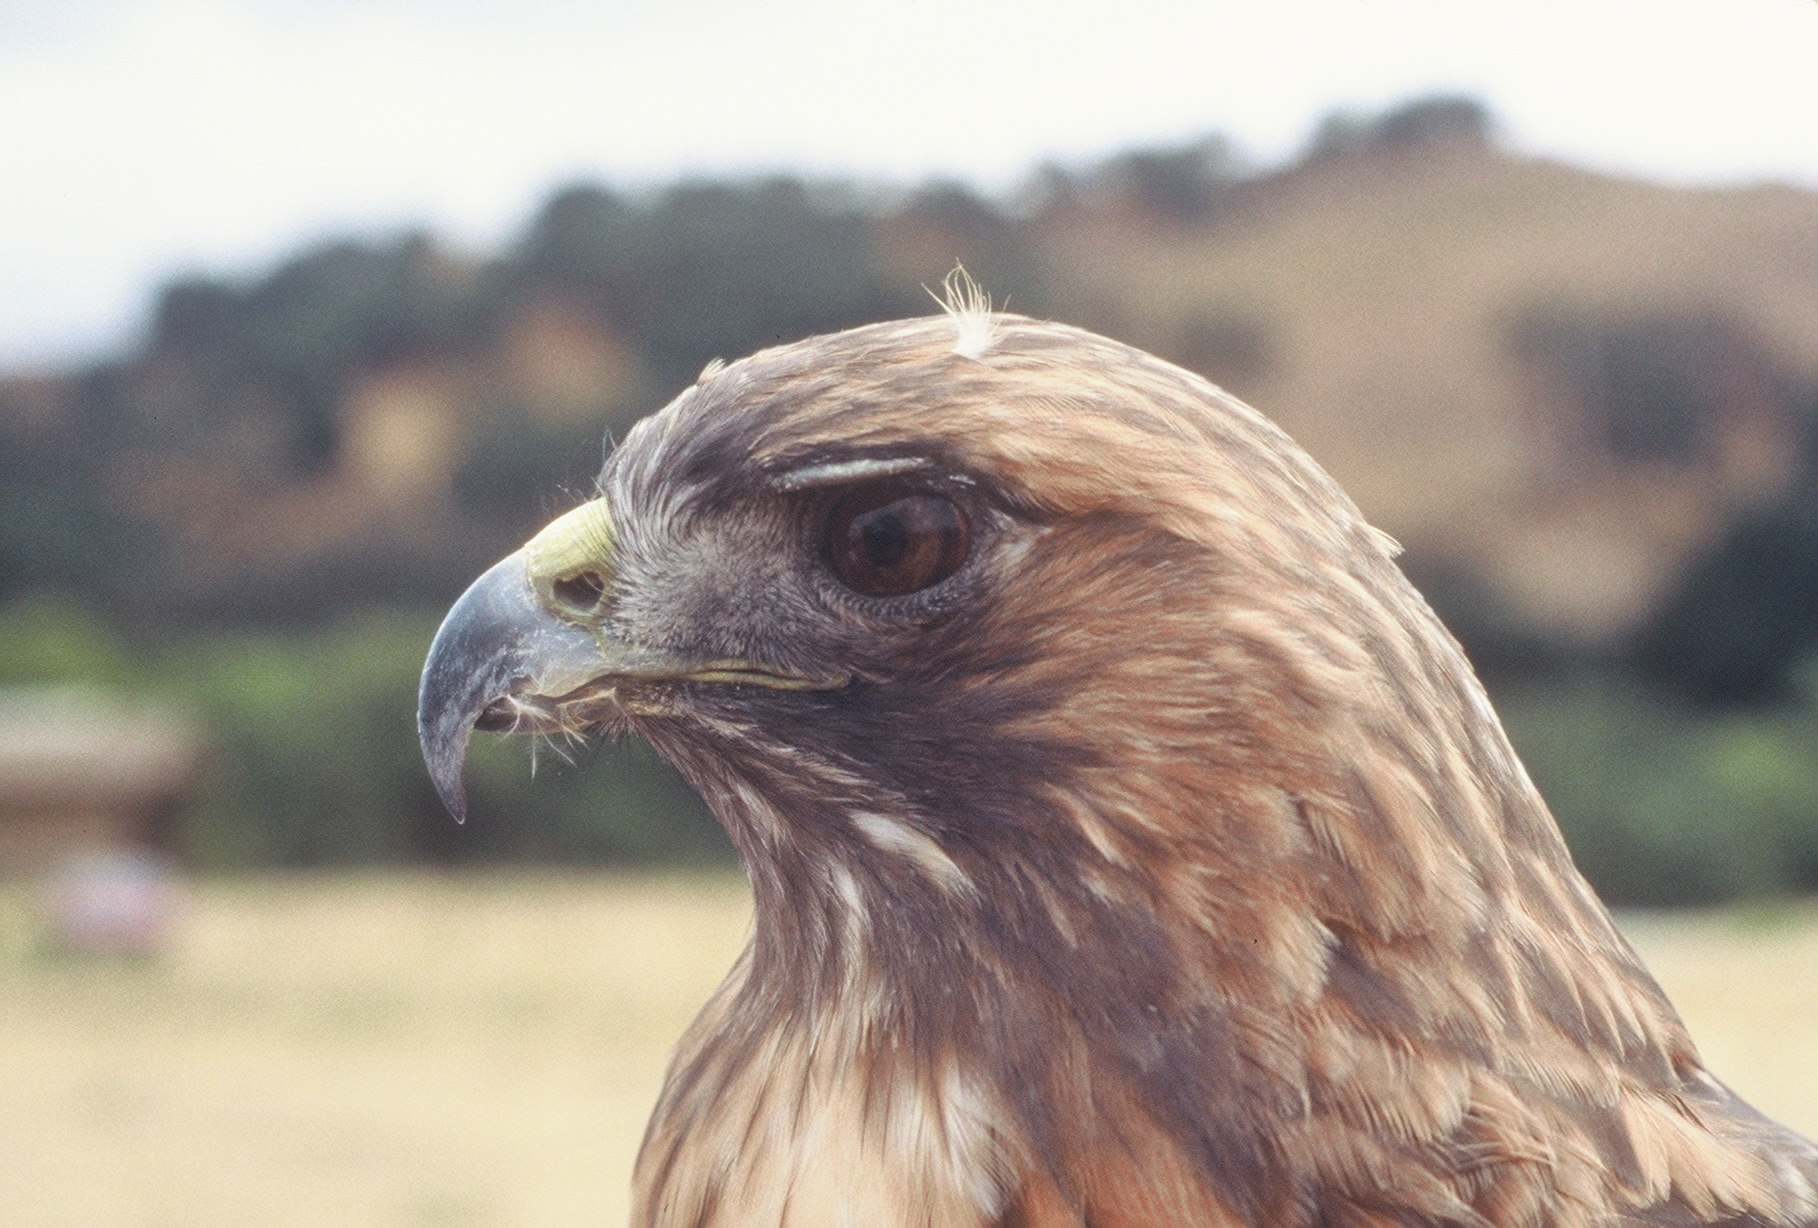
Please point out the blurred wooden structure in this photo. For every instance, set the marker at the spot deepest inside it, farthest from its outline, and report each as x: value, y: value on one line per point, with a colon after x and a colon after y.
x: 85, y: 773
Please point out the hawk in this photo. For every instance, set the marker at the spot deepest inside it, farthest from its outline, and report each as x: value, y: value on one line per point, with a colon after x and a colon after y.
x: 1130, y: 845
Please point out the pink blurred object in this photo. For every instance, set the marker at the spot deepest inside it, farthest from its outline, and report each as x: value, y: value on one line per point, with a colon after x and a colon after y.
x: 119, y: 902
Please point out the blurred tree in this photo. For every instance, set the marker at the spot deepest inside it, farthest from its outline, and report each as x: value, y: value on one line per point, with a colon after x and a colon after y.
x: 1180, y: 184
x: 58, y: 528
x: 1744, y: 614
x: 711, y: 270
x: 1436, y: 120
x: 1651, y: 385
x: 584, y: 241
x: 296, y: 338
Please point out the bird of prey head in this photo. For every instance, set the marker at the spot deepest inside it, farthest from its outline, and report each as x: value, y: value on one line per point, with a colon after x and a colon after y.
x: 1130, y: 845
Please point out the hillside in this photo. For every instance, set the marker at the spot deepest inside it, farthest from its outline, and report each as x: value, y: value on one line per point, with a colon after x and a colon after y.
x: 1558, y: 389
x: 1458, y: 336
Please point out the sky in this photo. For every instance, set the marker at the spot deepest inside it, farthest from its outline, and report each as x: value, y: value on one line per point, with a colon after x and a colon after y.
x: 142, y: 139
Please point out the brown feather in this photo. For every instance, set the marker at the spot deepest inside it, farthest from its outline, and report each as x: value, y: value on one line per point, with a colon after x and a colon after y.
x: 1176, y: 871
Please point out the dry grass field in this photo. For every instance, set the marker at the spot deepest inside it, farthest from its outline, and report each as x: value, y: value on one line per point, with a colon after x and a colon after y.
x: 426, y: 1052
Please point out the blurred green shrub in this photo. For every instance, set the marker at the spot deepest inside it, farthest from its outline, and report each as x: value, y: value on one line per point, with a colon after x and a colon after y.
x: 314, y: 761
x: 1664, y: 803
x: 49, y: 639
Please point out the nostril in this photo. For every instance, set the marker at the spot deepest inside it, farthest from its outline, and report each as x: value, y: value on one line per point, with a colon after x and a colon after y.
x: 580, y: 593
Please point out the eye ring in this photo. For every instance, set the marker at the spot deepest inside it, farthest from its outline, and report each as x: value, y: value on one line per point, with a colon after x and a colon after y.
x: 888, y: 539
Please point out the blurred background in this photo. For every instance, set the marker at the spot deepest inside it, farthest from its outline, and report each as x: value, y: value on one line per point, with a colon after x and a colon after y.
x: 309, y: 312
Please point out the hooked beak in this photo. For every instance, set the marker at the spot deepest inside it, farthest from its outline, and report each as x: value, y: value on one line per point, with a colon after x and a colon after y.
x: 525, y: 650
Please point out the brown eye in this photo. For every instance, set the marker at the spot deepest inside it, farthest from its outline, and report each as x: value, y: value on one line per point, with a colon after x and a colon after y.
x: 888, y: 539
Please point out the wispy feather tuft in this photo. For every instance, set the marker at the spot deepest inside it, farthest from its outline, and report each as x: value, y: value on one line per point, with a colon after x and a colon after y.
x: 969, y: 307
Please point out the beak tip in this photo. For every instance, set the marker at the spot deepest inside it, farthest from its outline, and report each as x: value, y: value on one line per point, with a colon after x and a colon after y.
x: 445, y: 755
x: 454, y: 797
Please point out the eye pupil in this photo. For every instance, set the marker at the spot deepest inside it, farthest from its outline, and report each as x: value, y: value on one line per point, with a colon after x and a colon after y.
x: 884, y: 536
x: 886, y: 539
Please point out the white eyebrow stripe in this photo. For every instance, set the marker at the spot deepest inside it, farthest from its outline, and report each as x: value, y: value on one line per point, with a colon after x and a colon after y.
x: 834, y: 472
